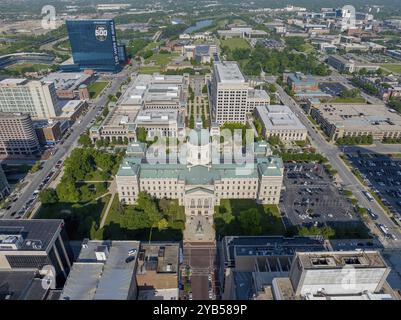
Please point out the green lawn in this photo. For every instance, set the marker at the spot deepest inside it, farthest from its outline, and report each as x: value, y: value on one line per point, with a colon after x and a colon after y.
x: 79, y: 219
x: 150, y: 69
x: 161, y: 59
x: 349, y: 100
x: 96, y: 88
x: 28, y: 67
x: 235, y: 43
x: 227, y: 218
x: 152, y: 45
x: 393, y: 67
x: 308, y: 48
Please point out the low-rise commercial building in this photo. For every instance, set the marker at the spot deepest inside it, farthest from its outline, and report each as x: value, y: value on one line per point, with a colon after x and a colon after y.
x: 156, y: 92
x: 394, y: 53
x: 356, y: 120
x: 280, y: 121
x: 68, y: 84
x: 165, y: 123
x: 342, y: 64
x: 155, y: 96
x: 242, y: 32
x: 72, y: 110
x: 158, y: 271
x: 17, y: 136
x: 300, y: 82
x: 104, y: 270
x: 338, y: 275
x: 386, y: 87
x: 48, y: 131
x: 247, y: 264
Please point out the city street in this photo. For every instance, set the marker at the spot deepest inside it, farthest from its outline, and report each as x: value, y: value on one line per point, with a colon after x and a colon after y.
x: 64, y: 150
x: 349, y: 181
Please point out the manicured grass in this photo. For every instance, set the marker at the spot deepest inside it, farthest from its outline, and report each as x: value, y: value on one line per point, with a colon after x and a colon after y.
x: 21, y: 67
x: 78, y: 218
x: 227, y: 222
x: 96, y: 88
x: 395, y: 68
x: 235, y: 43
x: 349, y: 100
x: 308, y: 48
x: 151, y: 46
x: 161, y: 59
x: 150, y: 69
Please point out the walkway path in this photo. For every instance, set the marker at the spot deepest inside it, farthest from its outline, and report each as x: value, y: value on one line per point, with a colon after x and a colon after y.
x: 112, y: 191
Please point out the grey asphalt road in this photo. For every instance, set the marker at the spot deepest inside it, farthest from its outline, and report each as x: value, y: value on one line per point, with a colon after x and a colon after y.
x: 64, y: 150
x: 332, y: 152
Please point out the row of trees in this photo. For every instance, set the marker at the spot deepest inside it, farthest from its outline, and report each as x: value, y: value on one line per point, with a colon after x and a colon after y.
x: 350, y: 93
x: 86, y: 142
x: 276, y: 62
x: 368, y: 87
x: 392, y: 140
x: 395, y: 103
x: 81, y: 165
x: 311, y: 156
x: 355, y: 140
x: 326, y: 232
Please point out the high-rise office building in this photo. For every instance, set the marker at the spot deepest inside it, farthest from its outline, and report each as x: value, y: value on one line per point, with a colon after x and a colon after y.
x: 94, y: 45
x: 231, y: 95
x: 17, y: 135
x: 35, y: 245
x: 36, y: 98
x: 4, y: 186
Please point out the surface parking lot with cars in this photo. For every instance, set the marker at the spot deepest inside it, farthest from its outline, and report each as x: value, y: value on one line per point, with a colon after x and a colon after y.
x: 311, y: 197
x: 332, y: 88
x: 383, y: 175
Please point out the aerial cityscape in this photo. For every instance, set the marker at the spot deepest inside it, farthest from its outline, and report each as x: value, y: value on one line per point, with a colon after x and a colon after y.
x: 207, y: 150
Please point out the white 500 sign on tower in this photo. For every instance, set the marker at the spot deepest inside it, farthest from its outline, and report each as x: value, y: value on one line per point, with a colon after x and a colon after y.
x: 101, y: 33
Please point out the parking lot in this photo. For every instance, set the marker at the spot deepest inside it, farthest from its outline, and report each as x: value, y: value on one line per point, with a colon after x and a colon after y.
x: 311, y: 198
x: 332, y: 88
x: 383, y: 175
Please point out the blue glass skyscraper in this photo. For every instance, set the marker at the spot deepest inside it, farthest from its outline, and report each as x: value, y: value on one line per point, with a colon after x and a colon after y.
x: 93, y: 45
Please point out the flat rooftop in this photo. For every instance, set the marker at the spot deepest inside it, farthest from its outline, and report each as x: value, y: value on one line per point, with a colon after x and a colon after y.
x: 33, y: 234
x: 158, y: 266
x: 13, y: 82
x: 340, y: 259
x: 94, y: 279
x: 158, y: 117
x: 20, y: 285
x: 153, y: 88
x: 258, y: 94
x: 228, y: 72
x: 361, y: 116
x: 66, y: 80
x: 276, y: 117
x: 269, y: 246
x: 120, y: 117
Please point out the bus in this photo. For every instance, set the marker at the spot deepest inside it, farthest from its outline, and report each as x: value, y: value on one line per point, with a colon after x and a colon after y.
x: 368, y: 195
